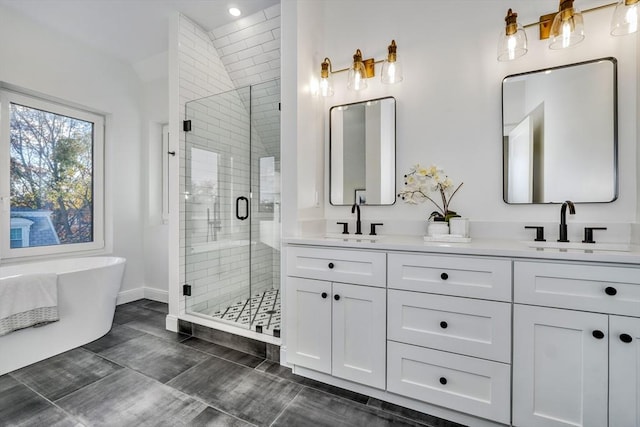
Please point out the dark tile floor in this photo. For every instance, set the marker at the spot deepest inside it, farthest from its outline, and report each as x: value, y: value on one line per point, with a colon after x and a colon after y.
x: 140, y: 374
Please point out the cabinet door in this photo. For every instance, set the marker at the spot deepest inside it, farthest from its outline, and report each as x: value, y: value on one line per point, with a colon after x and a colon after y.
x: 560, y: 367
x: 624, y: 372
x: 359, y: 338
x: 308, y: 323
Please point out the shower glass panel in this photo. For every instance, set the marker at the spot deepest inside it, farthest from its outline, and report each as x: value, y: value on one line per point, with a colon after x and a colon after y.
x: 232, y: 207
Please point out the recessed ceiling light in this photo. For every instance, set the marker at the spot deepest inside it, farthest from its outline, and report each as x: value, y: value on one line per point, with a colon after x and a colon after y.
x: 234, y: 11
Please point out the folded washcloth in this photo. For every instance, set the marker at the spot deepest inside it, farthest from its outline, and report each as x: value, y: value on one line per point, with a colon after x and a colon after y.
x: 28, y: 300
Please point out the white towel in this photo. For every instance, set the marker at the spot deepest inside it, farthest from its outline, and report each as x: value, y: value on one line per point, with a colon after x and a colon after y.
x: 27, y: 300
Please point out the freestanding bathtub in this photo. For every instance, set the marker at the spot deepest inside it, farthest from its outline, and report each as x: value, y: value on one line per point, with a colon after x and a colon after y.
x: 87, y: 292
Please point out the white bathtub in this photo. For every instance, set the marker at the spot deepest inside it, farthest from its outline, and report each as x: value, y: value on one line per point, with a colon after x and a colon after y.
x: 87, y: 292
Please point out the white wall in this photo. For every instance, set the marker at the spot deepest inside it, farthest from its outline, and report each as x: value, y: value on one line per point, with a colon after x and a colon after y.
x: 39, y: 60
x: 449, y: 105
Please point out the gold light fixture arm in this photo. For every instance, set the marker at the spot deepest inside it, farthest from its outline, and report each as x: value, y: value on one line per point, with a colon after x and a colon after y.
x: 544, y: 23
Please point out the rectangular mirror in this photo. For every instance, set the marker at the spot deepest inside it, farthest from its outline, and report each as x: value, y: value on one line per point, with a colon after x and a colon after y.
x: 362, y: 153
x: 560, y: 134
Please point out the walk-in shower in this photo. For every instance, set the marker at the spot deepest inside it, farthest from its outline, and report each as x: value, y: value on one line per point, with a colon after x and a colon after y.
x: 231, y: 217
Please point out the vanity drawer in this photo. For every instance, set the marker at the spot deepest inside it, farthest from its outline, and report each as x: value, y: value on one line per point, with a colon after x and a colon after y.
x: 484, y: 278
x: 603, y: 289
x: 460, y: 325
x: 475, y: 386
x: 335, y: 265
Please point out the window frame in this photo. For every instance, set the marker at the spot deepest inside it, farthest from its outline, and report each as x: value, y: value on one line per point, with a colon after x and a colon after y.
x: 98, y: 159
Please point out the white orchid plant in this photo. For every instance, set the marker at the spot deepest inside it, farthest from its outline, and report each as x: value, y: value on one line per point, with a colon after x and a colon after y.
x: 421, y: 181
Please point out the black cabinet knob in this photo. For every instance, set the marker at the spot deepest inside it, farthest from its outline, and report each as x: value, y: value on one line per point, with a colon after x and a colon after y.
x: 336, y: 297
x: 444, y: 276
x: 610, y: 290
x: 598, y: 334
x: 324, y: 295
x: 331, y: 265
x: 443, y: 380
x: 443, y: 325
x: 626, y: 338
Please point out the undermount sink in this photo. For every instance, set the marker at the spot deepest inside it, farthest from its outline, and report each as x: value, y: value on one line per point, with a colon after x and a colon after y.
x: 578, y: 246
x: 353, y: 237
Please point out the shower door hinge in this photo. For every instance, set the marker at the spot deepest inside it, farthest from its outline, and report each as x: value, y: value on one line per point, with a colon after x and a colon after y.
x: 186, y: 290
x: 279, y: 106
x: 186, y: 125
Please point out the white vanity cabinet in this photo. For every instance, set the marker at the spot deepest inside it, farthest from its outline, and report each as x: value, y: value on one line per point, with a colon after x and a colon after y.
x: 445, y: 348
x: 576, y: 357
x: 484, y: 338
x: 334, y: 327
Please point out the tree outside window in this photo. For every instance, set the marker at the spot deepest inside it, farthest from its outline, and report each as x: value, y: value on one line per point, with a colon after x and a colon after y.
x: 51, y: 175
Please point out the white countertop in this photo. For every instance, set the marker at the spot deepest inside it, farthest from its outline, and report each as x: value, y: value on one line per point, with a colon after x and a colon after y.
x: 484, y: 247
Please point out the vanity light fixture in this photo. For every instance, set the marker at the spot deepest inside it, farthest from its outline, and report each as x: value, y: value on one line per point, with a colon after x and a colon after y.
x: 513, y: 40
x: 565, y: 28
x: 625, y: 18
x: 360, y: 71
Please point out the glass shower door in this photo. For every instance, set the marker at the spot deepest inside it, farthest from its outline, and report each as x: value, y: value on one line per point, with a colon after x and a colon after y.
x: 217, y: 226
x: 232, y: 207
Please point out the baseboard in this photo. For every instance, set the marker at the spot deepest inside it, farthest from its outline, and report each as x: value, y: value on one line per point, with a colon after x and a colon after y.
x: 130, y: 295
x: 142, y: 292
x: 156, y: 294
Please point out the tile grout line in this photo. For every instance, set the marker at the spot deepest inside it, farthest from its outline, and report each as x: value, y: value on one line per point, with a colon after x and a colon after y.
x: 52, y: 402
x: 196, y: 398
x: 273, y: 308
x: 288, y: 404
x: 257, y: 309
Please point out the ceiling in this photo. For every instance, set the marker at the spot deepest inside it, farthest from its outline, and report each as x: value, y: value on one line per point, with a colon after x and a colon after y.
x: 131, y: 30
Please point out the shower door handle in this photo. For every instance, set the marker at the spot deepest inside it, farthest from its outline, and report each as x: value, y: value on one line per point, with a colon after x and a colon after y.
x: 246, y: 201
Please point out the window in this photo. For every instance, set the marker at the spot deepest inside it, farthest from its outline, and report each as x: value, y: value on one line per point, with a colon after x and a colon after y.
x: 16, y: 238
x: 19, y: 234
x: 51, y: 177
x: 268, y: 190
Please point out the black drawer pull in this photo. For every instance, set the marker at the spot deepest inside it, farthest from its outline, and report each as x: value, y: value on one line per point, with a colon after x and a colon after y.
x: 626, y: 338
x: 331, y: 265
x: 324, y: 295
x: 444, y: 276
x: 598, y: 334
x: 443, y: 325
x: 609, y: 290
x: 336, y: 297
x: 443, y: 380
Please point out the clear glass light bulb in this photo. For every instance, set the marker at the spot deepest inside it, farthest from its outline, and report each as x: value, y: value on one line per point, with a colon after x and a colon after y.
x: 356, y: 81
x: 632, y: 18
x: 391, y: 72
x: 326, y: 89
x: 511, y: 46
x: 566, y: 34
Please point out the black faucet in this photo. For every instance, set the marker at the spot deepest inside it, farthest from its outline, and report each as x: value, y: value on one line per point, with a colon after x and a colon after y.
x: 563, y: 219
x: 356, y: 208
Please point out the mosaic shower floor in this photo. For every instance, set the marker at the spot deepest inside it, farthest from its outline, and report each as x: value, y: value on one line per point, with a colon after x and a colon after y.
x: 261, y: 311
